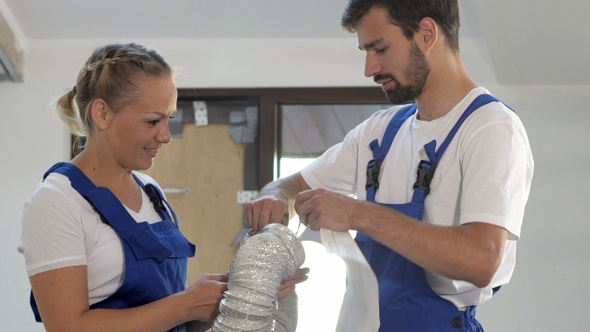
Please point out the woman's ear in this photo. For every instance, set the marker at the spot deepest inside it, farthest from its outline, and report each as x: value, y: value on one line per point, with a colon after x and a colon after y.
x: 99, y: 113
x: 427, y: 34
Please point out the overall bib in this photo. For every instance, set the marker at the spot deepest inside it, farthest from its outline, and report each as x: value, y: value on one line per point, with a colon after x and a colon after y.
x: 407, y: 303
x: 155, y: 254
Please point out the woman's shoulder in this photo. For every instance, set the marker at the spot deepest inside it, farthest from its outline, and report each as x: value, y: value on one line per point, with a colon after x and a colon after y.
x: 54, y: 187
x: 145, y: 178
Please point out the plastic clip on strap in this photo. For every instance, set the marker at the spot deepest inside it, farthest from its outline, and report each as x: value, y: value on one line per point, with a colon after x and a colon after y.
x: 155, y: 198
x: 373, y: 170
x: 424, y: 176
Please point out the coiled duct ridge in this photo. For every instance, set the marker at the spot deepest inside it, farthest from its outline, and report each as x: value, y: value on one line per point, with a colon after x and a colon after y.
x: 261, y: 264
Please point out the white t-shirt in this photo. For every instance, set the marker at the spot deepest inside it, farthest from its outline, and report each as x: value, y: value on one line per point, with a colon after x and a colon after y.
x: 61, y: 229
x: 484, y: 175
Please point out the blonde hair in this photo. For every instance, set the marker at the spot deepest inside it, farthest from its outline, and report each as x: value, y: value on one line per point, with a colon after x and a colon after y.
x: 111, y: 73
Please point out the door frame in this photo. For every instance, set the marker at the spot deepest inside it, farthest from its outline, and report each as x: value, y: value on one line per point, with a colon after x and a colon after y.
x: 269, y: 100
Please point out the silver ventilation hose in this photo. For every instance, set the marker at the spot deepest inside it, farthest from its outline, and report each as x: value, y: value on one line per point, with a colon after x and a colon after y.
x: 262, y: 263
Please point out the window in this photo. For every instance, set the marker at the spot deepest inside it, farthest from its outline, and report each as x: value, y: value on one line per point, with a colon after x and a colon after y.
x: 305, y: 132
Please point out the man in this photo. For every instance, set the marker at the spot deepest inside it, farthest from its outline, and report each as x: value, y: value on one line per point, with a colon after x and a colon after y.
x: 440, y: 185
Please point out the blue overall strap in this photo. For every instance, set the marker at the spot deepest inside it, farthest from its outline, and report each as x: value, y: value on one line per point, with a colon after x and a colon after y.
x: 380, y: 151
x: 426, y: 168
x: 435, y: 157
x: 157, y: 198
x: 108, y: 206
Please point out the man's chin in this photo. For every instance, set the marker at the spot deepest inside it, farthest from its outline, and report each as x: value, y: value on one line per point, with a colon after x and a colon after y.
x: 398, y: 100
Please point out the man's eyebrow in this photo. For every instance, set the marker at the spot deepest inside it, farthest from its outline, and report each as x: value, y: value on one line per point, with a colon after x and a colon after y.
x: 371, y: 44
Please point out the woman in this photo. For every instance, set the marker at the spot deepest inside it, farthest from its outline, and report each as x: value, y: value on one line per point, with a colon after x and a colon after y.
x: 102, y: 247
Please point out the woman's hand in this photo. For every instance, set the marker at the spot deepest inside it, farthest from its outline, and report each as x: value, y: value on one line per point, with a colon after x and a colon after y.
x: 204, y: 296
x: 288, y: 284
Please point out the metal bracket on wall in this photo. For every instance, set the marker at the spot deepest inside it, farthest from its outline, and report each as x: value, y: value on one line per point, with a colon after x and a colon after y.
x: 244, y: 125
x: 245, y: 196
x: 200, y: 108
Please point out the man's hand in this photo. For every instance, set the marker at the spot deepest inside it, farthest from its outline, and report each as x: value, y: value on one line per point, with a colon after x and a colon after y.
x: 320, y: 208
x: 265, y: 210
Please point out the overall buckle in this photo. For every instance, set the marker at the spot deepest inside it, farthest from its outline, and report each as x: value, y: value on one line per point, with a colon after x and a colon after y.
x: 424, y: 175
x: 373, y: 170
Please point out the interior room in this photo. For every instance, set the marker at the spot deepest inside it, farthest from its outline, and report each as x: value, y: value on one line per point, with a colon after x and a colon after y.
x: 247, y: 67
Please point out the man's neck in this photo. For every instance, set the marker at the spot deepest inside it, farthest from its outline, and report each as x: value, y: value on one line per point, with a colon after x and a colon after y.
x: 444, y: 89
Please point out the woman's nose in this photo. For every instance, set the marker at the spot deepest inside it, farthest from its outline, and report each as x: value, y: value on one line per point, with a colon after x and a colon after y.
x: 164, y: 136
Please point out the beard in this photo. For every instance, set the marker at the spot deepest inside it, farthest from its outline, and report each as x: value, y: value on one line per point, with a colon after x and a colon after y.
x: 417, y: 72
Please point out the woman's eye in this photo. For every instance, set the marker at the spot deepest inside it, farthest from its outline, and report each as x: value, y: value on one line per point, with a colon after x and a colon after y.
x: 153, y: 122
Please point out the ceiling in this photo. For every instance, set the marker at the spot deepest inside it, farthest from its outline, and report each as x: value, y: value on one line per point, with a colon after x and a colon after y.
x: 528, y: 42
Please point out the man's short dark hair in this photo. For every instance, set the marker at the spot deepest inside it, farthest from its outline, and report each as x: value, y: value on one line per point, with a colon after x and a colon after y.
x: 407, y: 14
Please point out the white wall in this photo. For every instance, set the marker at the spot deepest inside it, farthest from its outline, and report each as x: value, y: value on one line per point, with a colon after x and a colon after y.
x: 548, y: 289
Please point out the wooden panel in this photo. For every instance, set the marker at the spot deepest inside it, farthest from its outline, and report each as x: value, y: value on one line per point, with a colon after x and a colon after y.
x: 208, y: 162
x: 270, y: 98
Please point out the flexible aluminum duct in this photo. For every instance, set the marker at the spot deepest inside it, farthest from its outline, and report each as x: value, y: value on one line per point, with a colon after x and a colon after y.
x: 261, y: 264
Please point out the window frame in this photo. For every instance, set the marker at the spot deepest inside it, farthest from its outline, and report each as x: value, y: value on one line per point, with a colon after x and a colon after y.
x: 269, y: 101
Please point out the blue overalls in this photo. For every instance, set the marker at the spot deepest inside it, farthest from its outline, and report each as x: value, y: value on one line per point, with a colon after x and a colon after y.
x: 407, y: 303
x: 155, y: 254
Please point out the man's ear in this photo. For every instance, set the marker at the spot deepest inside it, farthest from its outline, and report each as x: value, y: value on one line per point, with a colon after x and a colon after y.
x: 100, y: 113
x: 427, y: 34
